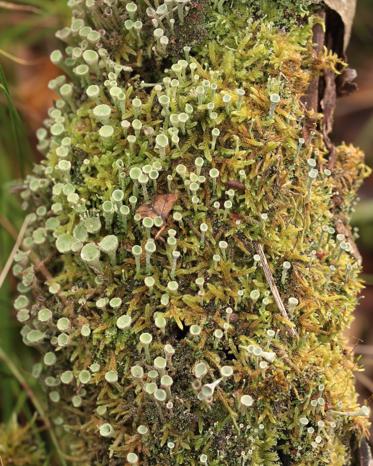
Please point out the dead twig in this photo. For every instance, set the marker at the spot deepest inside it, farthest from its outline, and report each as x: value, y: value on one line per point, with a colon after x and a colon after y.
x: 18, y: 60
x: 38, y: 263
x: 8, y: 227
x: 272, y: 285
x: 16, y: 246
x: 18, y: 7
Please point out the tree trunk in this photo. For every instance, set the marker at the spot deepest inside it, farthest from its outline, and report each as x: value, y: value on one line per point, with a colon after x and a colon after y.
x: 192, y: 218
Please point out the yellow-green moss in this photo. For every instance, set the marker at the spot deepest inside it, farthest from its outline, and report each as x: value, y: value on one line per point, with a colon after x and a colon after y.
x: 245, y: 197
x: 21, y: 445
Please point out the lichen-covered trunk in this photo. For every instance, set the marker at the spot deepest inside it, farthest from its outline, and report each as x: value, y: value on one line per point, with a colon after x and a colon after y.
x: 192, y: 218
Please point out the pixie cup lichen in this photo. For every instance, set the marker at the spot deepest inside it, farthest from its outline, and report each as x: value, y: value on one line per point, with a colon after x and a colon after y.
x: 200, y: 273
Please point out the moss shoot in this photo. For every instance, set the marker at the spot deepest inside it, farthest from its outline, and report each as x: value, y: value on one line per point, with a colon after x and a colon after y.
x: 188, y: 270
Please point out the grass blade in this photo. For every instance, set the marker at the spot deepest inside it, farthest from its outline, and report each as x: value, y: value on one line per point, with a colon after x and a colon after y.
x: 21, y: 145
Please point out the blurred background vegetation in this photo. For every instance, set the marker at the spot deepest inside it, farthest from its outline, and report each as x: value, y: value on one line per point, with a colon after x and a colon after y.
x: 354, y: 123
x: 26, y: 40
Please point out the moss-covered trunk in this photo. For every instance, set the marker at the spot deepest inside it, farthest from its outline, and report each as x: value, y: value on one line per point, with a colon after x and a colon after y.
x: 192, y: 216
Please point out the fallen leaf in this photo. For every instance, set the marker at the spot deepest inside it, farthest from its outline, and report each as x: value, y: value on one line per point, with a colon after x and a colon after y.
x: 161, y: 206
x: 346, y: 10
x: 146, y: 210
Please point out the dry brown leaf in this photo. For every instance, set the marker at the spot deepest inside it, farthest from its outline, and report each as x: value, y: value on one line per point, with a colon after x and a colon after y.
x: 160, y: 206
x: 346, y: 10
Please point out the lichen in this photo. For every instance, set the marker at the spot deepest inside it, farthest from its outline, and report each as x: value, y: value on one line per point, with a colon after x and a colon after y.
x: 197, y: 273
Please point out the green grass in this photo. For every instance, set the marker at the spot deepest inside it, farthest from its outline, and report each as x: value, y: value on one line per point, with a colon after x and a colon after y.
x: 17, y: 138
x: 34, y: 27
x: 15, y: 158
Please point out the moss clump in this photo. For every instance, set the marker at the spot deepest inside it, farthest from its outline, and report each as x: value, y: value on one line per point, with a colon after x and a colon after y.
x: 196, y: 281
x: 21, y: 445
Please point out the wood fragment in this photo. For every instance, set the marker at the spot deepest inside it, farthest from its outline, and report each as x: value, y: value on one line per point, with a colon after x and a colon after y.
x: 272, y: 285
x: 328, y: 104
x: 318, y: 39
x: 312, y: 99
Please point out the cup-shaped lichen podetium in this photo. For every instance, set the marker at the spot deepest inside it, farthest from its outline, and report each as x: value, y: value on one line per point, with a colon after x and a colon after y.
x: 90, y: 255
x: 201, y: 269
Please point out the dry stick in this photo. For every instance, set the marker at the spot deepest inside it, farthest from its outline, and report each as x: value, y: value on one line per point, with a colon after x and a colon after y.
x: 9, y: 262
x: 272, y: 285
x: 39, y: 264
x: 20, y: 61
x: 18, y: 7
x: 4, y: 222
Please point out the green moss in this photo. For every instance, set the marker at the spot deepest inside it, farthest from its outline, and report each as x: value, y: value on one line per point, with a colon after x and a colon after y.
x: 240, y: 264
x: 21, y: 445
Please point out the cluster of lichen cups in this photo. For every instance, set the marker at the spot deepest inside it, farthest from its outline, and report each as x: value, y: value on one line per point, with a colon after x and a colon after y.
x: 146, y: 214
